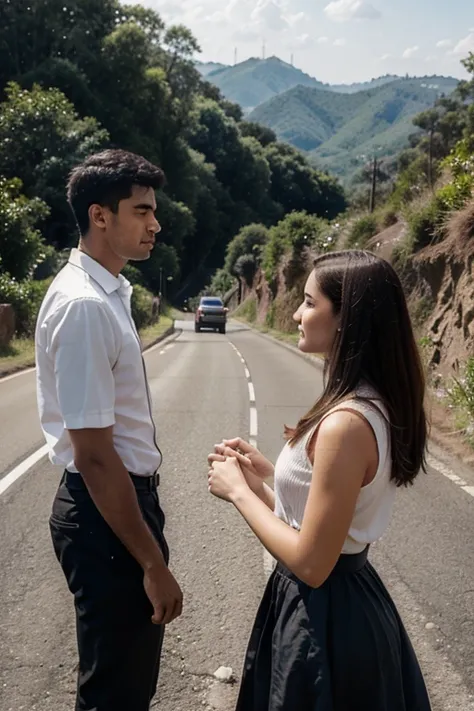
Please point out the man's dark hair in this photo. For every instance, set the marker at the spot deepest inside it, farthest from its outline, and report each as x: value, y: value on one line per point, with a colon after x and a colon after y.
x: 105, y: 179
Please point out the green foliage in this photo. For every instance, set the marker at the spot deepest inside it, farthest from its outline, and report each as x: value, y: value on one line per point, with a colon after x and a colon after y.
x: 25, y: 297
x: 246, y: 267
x: 163, y: 266
x: 221, y: 283
x: 21, y: 245
x: 361, y: 231
x: 142, y: 306
x: 133, y: 275
x: 66, y: 78
x: 292, y: 235
x: 254, y: 81
x: 249, y: 241
x: 296, y: 186
x: 424, y: 223
x: 41, y: 139
x: 446, y: 143
x: 388, y: 217
x: 461, y: 392
x: 248, y: 309
x: 337, y: 129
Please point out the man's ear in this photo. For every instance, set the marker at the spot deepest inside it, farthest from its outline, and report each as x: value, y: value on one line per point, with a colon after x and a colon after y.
x: 97, y: 216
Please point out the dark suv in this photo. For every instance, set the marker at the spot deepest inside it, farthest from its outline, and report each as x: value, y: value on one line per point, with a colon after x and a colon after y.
x: 211, y: 313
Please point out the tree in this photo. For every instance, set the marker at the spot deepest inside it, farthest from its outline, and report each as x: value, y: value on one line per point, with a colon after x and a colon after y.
x: 296, y: 186
x: 41, y: 139
x: 21, y: 244
x: 34, y: 31
x: 248, y: 242
x: 263, y: 134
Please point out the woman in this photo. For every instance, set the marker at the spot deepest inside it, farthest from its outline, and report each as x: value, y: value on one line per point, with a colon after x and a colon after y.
x: 327, y: 635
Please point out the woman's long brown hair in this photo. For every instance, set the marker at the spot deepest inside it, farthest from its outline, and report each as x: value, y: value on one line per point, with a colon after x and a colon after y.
x: 375, y: 345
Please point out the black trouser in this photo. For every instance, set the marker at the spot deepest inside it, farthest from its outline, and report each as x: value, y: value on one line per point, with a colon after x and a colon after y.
x: 119, y: 646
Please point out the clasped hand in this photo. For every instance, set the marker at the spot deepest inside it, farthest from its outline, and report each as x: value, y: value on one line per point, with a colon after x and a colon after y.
x: 236, y: 466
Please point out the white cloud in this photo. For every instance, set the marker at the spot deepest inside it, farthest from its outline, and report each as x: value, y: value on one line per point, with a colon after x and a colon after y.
x: 341, y: 42
x: 465, y: 45
x: 384, y: 57
x: 245, y: 34
x: 430, y: 58
x: 410, y: 52
x: 304, y: 41
x: 269, y: 15
x: 293, y: 20
x: 345, y: 10
x: 323, y: 40
x: 444, y: 44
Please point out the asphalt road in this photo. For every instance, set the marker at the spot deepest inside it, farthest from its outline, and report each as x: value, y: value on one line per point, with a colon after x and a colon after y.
x: 201, y: 394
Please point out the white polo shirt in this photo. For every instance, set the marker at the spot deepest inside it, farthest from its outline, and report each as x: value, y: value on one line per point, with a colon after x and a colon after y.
x: 89, y: 367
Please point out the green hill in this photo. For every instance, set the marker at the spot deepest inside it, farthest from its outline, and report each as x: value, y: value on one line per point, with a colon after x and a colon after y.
x: 205, y: 68
x: 341, y: 130
x: 255, y: 81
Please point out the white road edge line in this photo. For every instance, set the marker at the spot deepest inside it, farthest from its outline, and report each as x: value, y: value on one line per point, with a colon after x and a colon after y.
x: 16, y: 375
x: 440, y: 467
x: 22, y: 468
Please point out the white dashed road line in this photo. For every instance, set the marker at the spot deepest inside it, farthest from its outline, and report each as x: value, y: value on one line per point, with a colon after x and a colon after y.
x: 268, y: 560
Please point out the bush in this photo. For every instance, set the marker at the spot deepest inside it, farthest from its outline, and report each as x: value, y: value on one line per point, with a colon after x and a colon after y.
x: 455, y: 195
x: 291, y: 236
x: 248, y: 309
x: 133, y: 275
x: 388, y: 217
x: 425, y: 224
x: 221, y: 283
x: 21, y: 244
x: 246, y: 267
x: 142, y: 306
x: 249, y: 240
x: 461, y: 393
x: 26, y: 298
x: 361, y: 231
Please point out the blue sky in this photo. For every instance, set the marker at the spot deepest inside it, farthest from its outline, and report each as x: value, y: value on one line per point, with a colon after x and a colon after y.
x: 333, y: 40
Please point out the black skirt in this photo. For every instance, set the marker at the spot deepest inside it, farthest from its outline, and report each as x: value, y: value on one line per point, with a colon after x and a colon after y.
x: 340, y: 647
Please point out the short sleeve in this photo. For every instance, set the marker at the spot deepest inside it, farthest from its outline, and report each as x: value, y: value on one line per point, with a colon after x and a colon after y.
x: 84, y: 343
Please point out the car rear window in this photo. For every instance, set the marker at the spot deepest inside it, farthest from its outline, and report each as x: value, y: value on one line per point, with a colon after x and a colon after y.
x: 211, y: 302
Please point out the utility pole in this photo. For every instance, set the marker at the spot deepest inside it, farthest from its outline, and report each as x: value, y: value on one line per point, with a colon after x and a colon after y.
x: 263, y: 50
x: 235, y: 56
x: 291, y: 60
x: 374, y: 186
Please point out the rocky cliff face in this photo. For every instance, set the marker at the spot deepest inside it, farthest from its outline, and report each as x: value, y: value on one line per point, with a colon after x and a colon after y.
x: 439, y: 283
x: 446, y: 271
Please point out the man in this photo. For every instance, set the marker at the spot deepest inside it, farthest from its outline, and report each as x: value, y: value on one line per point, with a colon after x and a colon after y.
x: 95, y: 411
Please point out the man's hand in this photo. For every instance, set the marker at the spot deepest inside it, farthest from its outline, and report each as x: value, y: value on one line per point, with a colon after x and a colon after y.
x: 164, y: 594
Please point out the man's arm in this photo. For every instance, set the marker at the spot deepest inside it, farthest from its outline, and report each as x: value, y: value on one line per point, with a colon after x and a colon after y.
x: 112, y: 491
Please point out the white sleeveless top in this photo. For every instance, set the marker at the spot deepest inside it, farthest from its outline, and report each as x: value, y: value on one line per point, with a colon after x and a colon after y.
x: 293, y: 473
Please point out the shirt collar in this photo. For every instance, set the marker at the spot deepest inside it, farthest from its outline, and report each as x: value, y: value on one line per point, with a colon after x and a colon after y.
x: 100, y: 274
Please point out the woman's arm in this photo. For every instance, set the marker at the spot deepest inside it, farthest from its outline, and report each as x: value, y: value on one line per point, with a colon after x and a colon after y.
x: 344, y: 447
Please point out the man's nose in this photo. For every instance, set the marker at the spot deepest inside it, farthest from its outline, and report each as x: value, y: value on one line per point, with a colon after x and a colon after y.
x: 155, y: 226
